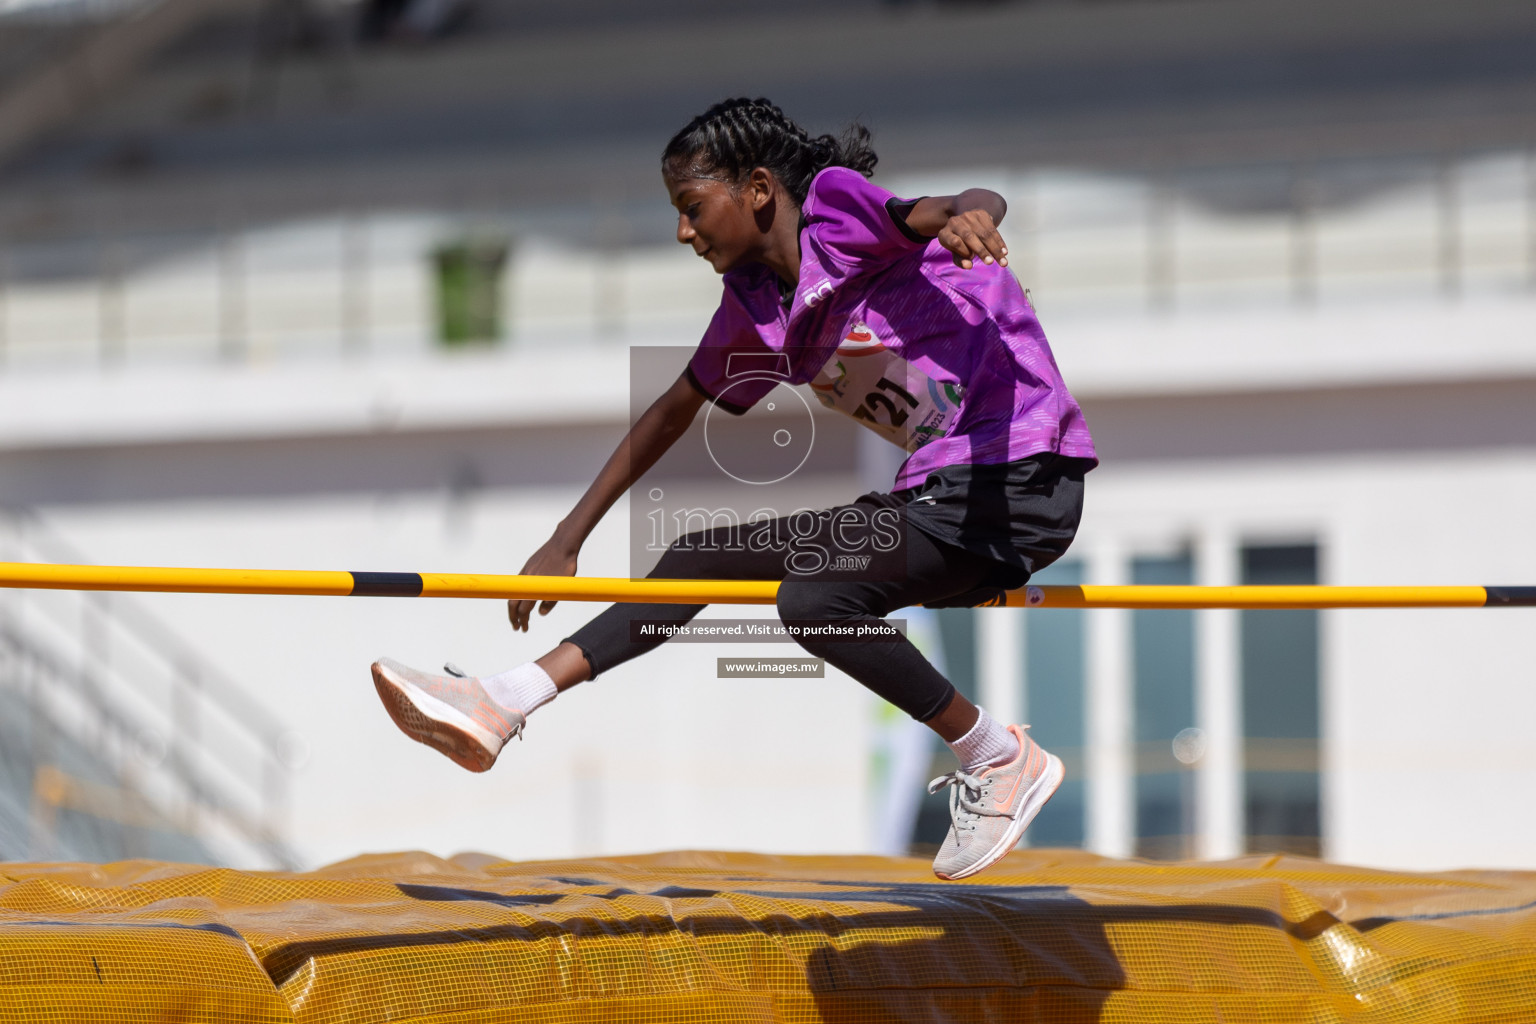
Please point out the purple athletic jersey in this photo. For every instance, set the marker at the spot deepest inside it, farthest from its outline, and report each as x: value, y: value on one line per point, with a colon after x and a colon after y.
x: 950, y: 364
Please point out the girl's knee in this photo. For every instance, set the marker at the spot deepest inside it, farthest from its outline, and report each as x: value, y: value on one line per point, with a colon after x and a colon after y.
x: 800, y: 600
x: 822, y: 601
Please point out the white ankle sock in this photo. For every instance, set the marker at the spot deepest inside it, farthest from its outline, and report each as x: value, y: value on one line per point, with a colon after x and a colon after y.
x: 521, y: 689
x: 988, y: 743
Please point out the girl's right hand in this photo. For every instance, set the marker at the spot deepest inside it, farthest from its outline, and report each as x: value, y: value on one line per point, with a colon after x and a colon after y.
x: 972, y: 237
x: 553, y: 559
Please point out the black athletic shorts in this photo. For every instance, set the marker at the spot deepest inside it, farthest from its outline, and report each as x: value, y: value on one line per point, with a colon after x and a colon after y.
x: 1022, y: 515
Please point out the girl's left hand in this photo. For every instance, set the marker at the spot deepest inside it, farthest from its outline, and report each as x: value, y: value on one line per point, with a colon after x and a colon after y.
x: 972, y: 236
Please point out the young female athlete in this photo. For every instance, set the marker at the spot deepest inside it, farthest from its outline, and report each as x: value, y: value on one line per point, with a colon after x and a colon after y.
x: 900, y: 312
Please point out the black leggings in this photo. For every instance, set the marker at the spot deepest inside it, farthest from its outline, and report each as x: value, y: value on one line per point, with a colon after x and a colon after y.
x: 847, y: 565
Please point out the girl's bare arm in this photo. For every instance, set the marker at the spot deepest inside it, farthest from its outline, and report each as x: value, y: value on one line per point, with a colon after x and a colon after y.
x: 965, y: 224
x: 657, y: 429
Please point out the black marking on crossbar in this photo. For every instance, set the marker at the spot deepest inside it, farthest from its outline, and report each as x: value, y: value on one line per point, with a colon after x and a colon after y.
x: 1503, y: 597
x: 386, y: 584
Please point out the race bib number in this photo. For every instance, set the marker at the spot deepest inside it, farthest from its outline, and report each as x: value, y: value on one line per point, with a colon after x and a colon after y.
x: 885, y: 393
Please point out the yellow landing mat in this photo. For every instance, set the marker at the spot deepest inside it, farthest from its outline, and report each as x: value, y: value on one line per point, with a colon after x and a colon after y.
x: 1046, y: 937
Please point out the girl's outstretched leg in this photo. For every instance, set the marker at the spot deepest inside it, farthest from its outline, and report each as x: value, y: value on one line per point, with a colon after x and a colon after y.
x: 755, y: 551
x: 471, y: 719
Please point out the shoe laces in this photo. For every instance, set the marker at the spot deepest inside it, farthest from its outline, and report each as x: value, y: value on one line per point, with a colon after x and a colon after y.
x: 965, y: 799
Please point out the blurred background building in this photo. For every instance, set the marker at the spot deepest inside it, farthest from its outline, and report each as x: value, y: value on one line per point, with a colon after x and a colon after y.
x: 330, y: 284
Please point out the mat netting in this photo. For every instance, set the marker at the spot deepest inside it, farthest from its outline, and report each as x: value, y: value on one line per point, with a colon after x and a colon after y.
x: 1050, y: 937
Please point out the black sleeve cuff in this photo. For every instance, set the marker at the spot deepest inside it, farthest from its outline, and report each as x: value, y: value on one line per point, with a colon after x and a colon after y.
x: 730, y: 407
x: 900, y: 210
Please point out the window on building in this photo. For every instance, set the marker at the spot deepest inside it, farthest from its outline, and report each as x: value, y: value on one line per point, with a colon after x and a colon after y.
x: 1163, y: 679
x: 1280, y: 708
x: 1054, y: 682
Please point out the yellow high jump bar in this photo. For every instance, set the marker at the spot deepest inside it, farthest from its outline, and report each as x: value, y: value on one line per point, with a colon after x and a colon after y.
x: 150, y: 579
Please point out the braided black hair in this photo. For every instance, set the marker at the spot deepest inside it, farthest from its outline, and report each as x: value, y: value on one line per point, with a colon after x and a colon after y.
x: 733, y: 137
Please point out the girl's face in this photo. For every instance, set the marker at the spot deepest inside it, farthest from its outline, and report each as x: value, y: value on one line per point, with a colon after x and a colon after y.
x: 719, y: 222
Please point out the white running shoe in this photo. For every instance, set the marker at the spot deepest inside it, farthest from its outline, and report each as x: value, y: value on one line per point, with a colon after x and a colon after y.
x: 990, y: 809
x: 451, y: 714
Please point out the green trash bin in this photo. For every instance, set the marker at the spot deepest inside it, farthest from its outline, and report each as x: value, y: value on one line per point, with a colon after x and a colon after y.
x: 469, y: 287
